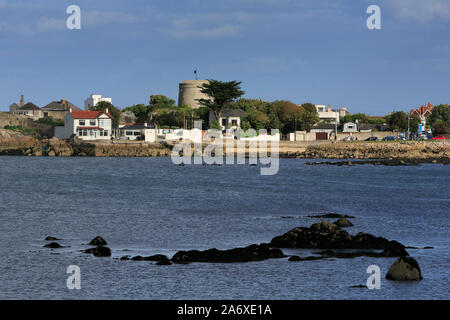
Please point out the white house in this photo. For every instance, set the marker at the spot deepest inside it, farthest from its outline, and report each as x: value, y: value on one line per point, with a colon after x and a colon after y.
x: 229, y: 118
x: 136, y: 132
x: 350, y: 127
x: 95, y: 99
x: 86, y: 125
x: 327, y: 114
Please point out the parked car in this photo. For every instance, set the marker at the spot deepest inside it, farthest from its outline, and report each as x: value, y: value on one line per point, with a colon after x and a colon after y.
x: 372, y: 139
x: 389, y: 138
x: 349, y: 138
x: 439, y: 138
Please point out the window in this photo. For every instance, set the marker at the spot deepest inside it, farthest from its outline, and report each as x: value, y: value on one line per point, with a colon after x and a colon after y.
x: 82, y: 133
x: 137, y: 133
x: 224, y: 122
x: 82, y: 122
x: 234, y: 122
x: 103, y: 133
x: 92, y: 122
x: 129, y: 133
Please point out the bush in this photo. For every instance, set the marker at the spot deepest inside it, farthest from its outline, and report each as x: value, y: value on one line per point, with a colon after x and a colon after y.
x: 20, y: 129
x: 50, y: 121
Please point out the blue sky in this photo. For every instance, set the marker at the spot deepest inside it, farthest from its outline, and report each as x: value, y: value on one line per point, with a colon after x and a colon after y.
x: 300, y: 50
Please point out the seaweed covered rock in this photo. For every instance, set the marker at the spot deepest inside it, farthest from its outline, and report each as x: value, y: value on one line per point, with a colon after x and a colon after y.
x: 404, y: 269
x: 98, y: 241
x: 343, y: 223
x: 101, y: 251
x: 326, y: 235
x: 53, y: 245
x: 247, y: 254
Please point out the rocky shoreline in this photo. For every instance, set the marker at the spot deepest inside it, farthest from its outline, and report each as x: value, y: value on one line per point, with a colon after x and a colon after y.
x: 405, y: 153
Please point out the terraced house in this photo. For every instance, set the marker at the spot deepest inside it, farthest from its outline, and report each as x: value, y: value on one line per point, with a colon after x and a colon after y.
x: 86, y: 125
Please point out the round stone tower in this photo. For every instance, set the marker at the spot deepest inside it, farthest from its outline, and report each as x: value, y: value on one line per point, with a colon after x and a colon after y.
x: 189, y: 92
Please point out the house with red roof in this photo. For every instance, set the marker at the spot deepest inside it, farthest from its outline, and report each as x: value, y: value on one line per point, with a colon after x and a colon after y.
x: 86, y: 125
x: 423, y: 113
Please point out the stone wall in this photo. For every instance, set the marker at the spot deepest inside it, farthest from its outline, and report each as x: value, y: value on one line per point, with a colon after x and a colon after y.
x: 8, y: 119
x: 412, y: 150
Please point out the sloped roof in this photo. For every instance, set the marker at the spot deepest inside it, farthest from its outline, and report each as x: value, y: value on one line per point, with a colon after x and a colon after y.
x: 233, y: 113
x: 29, y: 106
x: 88, y: 114
x: 60, y: 106
x: 137, y: 127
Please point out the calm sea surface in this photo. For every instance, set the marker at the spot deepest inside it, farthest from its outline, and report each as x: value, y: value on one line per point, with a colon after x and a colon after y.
x: 145, y: 206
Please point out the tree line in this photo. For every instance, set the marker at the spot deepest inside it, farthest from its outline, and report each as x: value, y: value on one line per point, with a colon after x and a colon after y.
x: 281, y: 114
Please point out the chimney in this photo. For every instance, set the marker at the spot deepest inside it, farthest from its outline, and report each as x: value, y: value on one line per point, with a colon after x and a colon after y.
x: 63, y: 101
x: 22, y: 101
x: 70, y: 109
x: 106, y: 110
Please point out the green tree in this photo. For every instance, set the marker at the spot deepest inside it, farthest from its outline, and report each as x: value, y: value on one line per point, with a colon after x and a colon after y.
x: 161, y: 109
x: 140, y: 111
x: 361, y: 117
x: 398, y: 120
x: 309, y: 117
x: 220, y: 94
x: 112, y: 110
x: 288, y: 115
x: 439, y: 119
x: 256, y: 110
x: 159, y: 101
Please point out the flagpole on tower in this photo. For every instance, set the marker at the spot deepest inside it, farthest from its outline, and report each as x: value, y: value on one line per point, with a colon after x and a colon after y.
x: 196, y: 74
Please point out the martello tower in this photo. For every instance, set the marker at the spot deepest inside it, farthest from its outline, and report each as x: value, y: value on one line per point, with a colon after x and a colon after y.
x: 189, y: 92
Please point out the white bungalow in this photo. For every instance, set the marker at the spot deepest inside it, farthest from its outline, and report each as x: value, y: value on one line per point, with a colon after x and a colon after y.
x: 350, y: 127
x: 86, y: 125
x: 229, y: 118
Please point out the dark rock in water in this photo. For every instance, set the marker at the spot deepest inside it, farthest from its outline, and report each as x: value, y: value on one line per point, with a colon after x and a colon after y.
x: 251, y: 253
x: 53, y: 245
x: 51, y: 239
x: 343, y: 223
x: 125, y: 258
x: 101, y: 251
x: 404, y: 269
x: 158, y: 257
x: 98, y: 241
x: 332, y: 216
x: 360, y: 286
x: 311, y: 258
x: 325, y: 235
x: 90, y: 250
x: 394, y: 249
x: 320, y: 235
x: 164, y: 262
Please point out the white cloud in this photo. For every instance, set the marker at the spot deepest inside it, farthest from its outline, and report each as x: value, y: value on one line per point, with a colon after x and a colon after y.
x: 50, y: 24
x: 98, y: 18
x: 420, y: 10
x: 204, y: 33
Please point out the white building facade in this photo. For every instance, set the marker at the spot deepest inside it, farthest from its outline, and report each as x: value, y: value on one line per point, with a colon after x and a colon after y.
x: 327, y: 114
x: 95, y: 99
x: 86, y: 125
